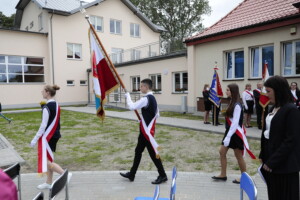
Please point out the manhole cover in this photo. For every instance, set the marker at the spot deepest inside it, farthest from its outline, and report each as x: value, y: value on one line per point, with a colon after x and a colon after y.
x: 3, y: 145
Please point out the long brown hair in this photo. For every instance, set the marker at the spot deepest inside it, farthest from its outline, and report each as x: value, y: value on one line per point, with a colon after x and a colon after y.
x: 235, y: 98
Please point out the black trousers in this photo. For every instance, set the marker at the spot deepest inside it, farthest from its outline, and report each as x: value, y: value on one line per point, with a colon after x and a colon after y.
x: 142, y: 143
x: 259, y: 111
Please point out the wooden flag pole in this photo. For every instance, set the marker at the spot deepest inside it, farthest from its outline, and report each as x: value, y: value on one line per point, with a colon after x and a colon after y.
x: 110, y: 62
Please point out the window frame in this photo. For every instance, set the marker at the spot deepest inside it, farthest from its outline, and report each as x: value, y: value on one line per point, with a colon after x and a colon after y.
x: 71, y: 84
x: 96, y: 18
x: 135, y: 28
x: 135, y: 54
x: 115, y: 26
x: 135, y: 88
x: 260, y: 61
x: 293, y: 59
x: 117, y: 55
x: 181, y: 89
x: 156, y: 86
x: 74, y: 52
x: 232, y: 52
x: 24, y: 74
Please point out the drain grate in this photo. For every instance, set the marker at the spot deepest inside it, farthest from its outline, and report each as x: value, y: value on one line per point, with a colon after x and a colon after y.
x: 3, y: 145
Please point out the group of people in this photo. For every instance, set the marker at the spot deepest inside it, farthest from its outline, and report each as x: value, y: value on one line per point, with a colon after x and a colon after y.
x: 250, y: 101
x: 280, y: 139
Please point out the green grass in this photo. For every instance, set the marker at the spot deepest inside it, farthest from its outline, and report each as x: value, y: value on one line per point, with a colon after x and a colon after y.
x: 89, y: 144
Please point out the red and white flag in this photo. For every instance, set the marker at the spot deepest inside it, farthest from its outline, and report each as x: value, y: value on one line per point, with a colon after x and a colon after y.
x: 44, y: 150
x: 263, y: 99
x: 104, y: 78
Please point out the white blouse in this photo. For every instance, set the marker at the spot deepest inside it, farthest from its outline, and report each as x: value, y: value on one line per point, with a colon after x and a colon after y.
x: 268, y: 122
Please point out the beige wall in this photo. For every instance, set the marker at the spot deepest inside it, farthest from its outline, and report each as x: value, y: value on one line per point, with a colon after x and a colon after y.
x: 19, y: 44
x: 167, y: 100
x: 207, y: 54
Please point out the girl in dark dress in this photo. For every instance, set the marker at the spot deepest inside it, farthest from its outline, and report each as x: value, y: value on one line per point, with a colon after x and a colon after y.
x: 207, y: 103
x: 234, y: 137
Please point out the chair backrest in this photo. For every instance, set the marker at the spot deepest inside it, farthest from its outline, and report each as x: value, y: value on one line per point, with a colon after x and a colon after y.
x: 247, y: 184
x: 59, y: 184
x: 156, y: 193
x: 39, y: 196
x: 13, y: 172
x: 173, y: 185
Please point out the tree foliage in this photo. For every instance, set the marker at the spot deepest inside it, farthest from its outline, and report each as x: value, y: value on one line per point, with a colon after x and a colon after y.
x: 180, y: 18
x: 6, y: 22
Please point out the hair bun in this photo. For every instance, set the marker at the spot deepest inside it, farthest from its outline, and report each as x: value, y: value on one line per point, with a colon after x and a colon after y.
x: 55, y: 87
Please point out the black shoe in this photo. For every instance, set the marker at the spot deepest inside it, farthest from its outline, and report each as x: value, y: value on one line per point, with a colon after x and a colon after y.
x: 236, y: 181
x: 160, y: 179
x: 127, y: 175
x: 219, y: 178
x: 259, y: 127
x: 219, y: 124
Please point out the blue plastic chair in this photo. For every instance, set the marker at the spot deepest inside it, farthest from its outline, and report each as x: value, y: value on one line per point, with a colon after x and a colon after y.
x: 247, y: 184
x: 172, y: 192
x: 155, y: 197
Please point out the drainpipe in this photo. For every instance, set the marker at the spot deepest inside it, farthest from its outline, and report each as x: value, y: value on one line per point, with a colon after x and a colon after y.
x: 88, y: 79
x: 52, y: 52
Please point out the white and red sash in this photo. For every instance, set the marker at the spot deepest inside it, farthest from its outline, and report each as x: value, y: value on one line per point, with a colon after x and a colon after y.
x: 249, y: 93
x: 44, y: 150
x: 148, y: 132
x: 257, y: 90
x: 241, y: 132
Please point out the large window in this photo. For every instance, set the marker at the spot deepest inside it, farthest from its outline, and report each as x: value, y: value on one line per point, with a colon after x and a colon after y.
x: 74, y: 51
x: 115, y: 26
x: 116, y: 55
x: 97, y: 23
x: 135, y: 83
x: 17, y: 69
x: 260, y: 55
x: 156, y: 82
x: 234, y: 64
x: 134, y: 30
x: 180, y: 82
x: 291, y: 58
x: 135, y: 54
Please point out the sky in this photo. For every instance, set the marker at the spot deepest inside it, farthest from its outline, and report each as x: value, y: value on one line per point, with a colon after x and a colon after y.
x: 219, y: 9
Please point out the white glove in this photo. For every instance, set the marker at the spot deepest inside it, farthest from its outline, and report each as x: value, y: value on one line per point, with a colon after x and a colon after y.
x: 226, y: 141
x: 33, y: 141
x: 127, y: 95
x: 246, y: 107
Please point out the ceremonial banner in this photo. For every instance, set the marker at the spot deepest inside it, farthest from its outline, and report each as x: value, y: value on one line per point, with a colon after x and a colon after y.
x: 263, y: 99
x: 104, y: 79
x: 215, y: 91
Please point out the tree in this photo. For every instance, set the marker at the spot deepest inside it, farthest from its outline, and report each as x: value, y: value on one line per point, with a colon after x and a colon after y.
x: 180, y: 18
x: 7, y: 22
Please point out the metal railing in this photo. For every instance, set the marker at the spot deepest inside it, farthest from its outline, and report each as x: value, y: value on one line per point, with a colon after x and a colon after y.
x: 118, y: 99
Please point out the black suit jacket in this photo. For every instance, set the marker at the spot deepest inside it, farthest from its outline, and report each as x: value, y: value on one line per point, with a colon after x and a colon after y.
x: 281, y: 152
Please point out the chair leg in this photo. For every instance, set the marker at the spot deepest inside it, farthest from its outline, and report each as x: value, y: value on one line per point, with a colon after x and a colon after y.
x: 241, y: 194
x: 19, y: 186
x: 67, y: 191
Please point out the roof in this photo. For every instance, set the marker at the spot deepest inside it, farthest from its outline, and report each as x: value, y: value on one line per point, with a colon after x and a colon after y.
x: 249, y: 14
x: 69, y: 7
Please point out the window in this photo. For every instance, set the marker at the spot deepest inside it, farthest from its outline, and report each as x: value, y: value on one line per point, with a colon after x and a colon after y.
x: 135, y: 54
x: 40, y: 20
x: 180, y: 82
x: 134, y: 30
x: 234, y: 64
x: 291, y: 58
x: 117, y: 55
x: 259, y: 55
x: 135, y: 83
x: 156, y: 82
x: 17, y: 69
x: 83, y: 82
x: 74, y: 51
x: 97, y: 23
x: 115, y: 26
x: 70, y: 82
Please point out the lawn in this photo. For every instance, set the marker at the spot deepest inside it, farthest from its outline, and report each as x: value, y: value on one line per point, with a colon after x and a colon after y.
x: 89, y: 144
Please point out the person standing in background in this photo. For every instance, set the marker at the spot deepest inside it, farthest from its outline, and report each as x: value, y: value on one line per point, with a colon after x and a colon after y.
x: 296, y: 94
x: 207, y: 103
x: 259, y: 109
x: 248, y: 101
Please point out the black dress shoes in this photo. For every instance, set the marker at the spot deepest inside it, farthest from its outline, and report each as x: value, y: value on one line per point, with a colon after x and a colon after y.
x: 219, y: 178
x: 127, y: 175
x: 160, y: 179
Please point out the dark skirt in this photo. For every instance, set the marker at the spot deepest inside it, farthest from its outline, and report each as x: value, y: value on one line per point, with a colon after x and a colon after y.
x: 250, y: 105
x: 52, y: 143
x: 235, y: 141
x: 207, y: 105
x: 282, y: 186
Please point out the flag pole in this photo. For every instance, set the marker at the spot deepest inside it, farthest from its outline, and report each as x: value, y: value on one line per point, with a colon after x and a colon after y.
x: 108, y: 59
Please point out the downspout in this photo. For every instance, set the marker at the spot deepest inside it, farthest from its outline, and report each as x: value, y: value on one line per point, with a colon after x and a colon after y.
x: 88, y: 79
x: 52, y: 52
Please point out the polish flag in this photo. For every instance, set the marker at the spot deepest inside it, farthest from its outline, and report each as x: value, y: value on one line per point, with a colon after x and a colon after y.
x: 263, y: 99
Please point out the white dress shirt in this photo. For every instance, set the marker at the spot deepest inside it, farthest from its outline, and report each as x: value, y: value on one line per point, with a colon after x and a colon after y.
x: 142, y: 102
x: 234, y: 124
x: 247, y: 97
